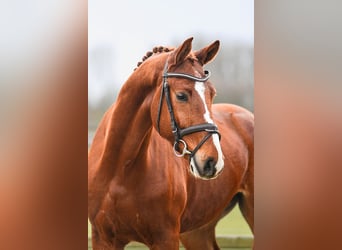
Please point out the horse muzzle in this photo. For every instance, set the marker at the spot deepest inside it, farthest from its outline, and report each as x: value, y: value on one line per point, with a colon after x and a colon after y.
x: 206, y: 168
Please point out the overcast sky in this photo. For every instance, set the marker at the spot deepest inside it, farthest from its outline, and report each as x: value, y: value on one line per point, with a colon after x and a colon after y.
x: 132, y: 27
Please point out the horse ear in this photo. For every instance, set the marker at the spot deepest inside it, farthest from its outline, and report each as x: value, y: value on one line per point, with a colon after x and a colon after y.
x: 181, y: 52
x: 208, y: 53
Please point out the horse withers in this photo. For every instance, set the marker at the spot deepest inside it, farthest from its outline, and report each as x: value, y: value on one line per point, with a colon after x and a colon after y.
x: 165, y: 163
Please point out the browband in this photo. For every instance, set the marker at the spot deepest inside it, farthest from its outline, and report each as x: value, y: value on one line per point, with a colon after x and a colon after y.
x: 190, y: 77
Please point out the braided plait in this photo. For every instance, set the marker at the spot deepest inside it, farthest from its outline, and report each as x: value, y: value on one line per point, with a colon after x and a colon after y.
x: 156, y: 50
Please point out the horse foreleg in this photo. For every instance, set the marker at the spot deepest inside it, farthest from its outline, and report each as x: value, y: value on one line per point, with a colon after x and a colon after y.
x: 246, y: 205
x: 171, y: 242
x: 246, y: 201
x: 202, y: 238
x: 166, y: 245
x: 99, y: 243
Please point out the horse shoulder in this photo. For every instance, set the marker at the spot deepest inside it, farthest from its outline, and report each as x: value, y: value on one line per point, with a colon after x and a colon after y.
x: 235, y: 119
x: 238, y: 118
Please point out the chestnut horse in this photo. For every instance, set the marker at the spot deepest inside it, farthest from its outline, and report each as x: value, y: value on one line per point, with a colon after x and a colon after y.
x: 165, y: 163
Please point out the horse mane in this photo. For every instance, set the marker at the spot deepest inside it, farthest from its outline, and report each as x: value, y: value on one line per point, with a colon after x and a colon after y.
x: 155, y: 50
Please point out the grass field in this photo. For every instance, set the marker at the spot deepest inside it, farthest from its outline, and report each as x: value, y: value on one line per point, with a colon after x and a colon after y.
x: 232, y: 225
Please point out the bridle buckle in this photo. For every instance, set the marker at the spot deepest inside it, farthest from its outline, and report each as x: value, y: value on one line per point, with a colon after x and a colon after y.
x: 184, y: 151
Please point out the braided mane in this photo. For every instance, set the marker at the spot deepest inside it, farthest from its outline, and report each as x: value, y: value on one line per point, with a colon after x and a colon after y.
x: 156, y: 50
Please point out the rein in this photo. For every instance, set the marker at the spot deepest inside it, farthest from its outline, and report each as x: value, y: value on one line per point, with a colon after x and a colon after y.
x: 179, y: 133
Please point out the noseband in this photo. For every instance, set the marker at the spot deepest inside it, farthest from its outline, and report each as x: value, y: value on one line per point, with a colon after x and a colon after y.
x: 179, y: 133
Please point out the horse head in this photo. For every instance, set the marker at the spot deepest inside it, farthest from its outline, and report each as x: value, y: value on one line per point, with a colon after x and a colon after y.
x: 181, y: 108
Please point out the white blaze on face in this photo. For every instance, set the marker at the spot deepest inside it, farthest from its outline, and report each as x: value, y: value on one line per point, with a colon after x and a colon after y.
x: 200, y: 88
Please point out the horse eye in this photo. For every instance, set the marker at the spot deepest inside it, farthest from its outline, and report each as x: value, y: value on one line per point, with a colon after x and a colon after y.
x: 182, y: 97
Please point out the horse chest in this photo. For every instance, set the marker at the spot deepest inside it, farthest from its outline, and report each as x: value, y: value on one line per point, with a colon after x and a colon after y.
x: 134, y: 204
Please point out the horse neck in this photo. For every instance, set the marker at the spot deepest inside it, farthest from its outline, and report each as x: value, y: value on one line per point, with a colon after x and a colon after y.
x: 131, y: 117
x: 128, y: 123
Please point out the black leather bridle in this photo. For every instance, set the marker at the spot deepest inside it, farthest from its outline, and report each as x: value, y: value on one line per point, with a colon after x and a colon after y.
x: 179, y: 133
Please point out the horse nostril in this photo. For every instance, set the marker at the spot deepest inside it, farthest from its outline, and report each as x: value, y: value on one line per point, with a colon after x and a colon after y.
x: 209, y: 167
